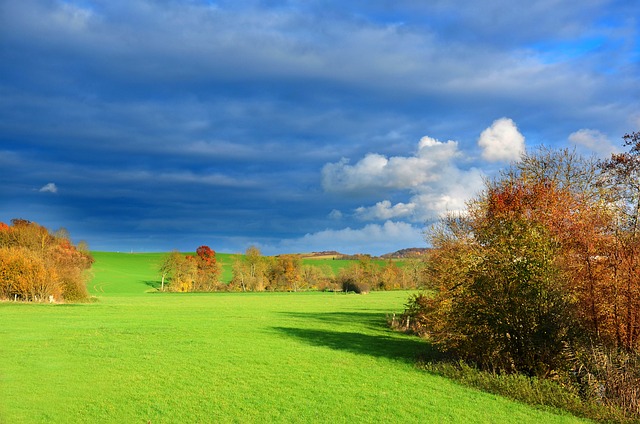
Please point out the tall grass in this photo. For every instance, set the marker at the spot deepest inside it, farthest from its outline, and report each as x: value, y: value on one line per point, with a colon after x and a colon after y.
x: 530, y: 390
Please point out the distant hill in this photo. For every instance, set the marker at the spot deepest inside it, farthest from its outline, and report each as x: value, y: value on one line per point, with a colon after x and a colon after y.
x: 411, y: 252
x: 322, y: 255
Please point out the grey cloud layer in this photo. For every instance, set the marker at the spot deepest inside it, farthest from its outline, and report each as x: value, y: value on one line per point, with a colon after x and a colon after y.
x: 233, y: 117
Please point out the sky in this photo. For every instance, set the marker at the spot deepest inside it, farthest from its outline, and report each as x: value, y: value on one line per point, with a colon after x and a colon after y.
x: 295, y: 126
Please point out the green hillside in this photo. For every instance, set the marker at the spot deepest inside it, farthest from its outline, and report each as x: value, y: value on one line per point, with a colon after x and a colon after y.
x: 136, y: 273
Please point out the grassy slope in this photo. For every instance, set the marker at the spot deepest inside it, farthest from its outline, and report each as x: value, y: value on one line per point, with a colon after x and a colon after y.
x: 242, y: 357
x: 136, y: 273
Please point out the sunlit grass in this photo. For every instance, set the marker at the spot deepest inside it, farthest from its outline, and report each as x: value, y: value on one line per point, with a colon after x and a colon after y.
x: 134, y: 357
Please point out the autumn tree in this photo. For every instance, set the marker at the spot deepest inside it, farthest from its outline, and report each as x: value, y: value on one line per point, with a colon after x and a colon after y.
x: 176, y: 272
x: 254, y: 272
x: 415, y: 273
x: 207, y: 269
x: 186, y: 273
x: 317, y: 277
x: 25, y: 275
x: 359, y: 276
x: 517, y: 271
x: 621, y: 180
x: 71, y: 265
x: 391, y: 277
x: 250, y: 271
x: 286, y: 274
x: 500, y: 298
x: 39, y: 265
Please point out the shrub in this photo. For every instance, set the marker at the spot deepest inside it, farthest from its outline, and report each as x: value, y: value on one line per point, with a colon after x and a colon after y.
x: 504, y: 309
x: 349, y: 285
x: 607, y: 376
x: 415, y: 318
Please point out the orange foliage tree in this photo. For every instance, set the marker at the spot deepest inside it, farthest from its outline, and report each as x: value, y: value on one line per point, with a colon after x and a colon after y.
x: 621, y: 181
x: 36, y: 265
x: 286, y: 274
x: 207, y: 269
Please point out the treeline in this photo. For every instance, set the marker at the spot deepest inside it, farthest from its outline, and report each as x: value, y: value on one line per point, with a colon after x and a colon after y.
x: 41, y: 266
x: 541, y: 275
x: 255, y: 272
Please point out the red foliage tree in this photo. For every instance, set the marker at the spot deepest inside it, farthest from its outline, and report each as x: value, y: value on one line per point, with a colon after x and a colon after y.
x: 208, y: 269
x: 207, y: 255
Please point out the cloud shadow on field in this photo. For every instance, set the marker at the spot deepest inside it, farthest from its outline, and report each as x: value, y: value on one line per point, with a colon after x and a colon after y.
x: 378, y: 346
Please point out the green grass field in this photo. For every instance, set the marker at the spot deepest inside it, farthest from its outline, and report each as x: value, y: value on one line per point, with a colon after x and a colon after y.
x: 138, y: 357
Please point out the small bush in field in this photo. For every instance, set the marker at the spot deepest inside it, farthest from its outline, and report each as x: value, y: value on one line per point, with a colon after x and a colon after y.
x: 349, y: 285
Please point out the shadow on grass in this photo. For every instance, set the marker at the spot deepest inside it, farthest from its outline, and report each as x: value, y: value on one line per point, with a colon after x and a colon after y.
x: 370, y: 320
x: 152, y: 284
x: 380, y: 346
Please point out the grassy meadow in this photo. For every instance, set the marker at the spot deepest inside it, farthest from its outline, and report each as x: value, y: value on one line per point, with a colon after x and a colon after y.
x: 134, y: 356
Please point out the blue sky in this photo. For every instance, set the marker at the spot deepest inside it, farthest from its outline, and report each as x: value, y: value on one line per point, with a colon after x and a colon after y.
x: 294, y: 125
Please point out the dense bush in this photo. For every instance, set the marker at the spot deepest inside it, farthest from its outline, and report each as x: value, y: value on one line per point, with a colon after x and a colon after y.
x: 607, y: 376
x: 37, y: 265
x: 349, y: 285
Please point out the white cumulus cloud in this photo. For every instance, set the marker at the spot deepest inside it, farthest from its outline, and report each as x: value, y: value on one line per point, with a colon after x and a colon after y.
x: 376, y: 239
x: 594, y: 141
x: 335, y: 214
x: 501, y: 141
x: 384, y: 210
x: 376, y: 171
x: 434, y: 181
x: 49, y: 188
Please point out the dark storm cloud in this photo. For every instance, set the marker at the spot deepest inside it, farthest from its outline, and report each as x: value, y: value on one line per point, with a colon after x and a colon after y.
x: 167, y: 124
